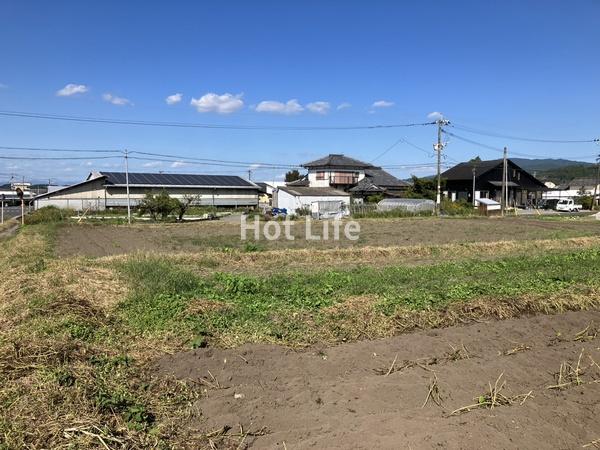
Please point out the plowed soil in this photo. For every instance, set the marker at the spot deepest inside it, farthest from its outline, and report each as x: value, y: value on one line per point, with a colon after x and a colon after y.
x: 104, y: 240
x: 354, y: 396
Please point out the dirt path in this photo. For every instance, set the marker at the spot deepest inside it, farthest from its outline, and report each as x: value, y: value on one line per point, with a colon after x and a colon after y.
x: 340, y: 397
x: 9, y: 231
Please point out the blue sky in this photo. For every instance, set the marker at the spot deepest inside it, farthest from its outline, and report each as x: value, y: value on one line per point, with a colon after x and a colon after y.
x: 526, y: 68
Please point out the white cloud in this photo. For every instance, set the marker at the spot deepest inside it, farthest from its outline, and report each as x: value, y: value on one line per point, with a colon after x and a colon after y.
x: 254, y: 166
x: 343, y: 105
x: 179, y: 164
x: 152, y: 164
x: 120, y: 101
x: 382, y: 104
x: 319, y: 107
x: 435, y: 115
x: 271, y: 106
x: 173, y: 99
x: 220, y: 104
x: 72, y: 89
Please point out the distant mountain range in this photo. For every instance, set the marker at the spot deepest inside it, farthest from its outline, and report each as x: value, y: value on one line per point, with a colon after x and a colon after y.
x: 556, y: 170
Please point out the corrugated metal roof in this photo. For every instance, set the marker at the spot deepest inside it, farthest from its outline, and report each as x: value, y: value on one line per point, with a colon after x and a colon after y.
x: 171, y: 179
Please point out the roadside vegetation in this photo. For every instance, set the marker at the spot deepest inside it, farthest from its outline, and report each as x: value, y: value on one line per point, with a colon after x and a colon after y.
x: 79, y: 336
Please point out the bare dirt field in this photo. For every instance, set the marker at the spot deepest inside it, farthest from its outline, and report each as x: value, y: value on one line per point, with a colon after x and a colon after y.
x: 104, y: 240
x: 401, y: 392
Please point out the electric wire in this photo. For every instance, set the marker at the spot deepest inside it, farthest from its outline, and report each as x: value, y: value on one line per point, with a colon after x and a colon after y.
x: 35, y: 115
x: 525, y: 139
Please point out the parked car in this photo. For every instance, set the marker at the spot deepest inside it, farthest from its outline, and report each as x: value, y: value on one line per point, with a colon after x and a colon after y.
x: 567, y: 204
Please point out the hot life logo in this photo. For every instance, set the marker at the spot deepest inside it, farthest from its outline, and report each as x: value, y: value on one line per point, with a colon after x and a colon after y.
x: 272, y: 230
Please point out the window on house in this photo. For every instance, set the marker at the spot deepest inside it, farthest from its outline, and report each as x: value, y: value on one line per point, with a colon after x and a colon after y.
x: 320, y: 175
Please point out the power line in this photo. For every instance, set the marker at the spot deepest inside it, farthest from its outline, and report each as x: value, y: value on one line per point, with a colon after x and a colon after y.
x: 203, y: 163
x: 216, y: 160
x: 33, y: 115
x: 65, y: 150
x: 526, y: 139
x: 498, y: 149
x: 401, y: 140
x: 56, y: 158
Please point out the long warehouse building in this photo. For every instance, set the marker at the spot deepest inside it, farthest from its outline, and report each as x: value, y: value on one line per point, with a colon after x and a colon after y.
x: 102, y: 190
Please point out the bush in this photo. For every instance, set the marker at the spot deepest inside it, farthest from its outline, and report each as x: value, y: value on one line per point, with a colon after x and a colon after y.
x: 48, y: 214
x: 585, y: 201
x: 458, y: 208
x: 375, y: 198
x: 158, y: 205
x: 389, y: 214
x: 303, y: 211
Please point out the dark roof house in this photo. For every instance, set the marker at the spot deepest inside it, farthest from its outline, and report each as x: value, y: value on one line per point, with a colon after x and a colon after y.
x: 522, y: 186
x: 352, y: 175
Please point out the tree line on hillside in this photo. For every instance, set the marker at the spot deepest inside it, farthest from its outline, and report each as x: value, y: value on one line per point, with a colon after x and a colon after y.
x: 565, y: 174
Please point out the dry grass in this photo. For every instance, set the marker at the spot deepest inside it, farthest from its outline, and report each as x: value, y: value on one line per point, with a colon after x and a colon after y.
x: 494, y: 398
x: 71, y: 376
x: 572, y: 374
x: 359, y: 317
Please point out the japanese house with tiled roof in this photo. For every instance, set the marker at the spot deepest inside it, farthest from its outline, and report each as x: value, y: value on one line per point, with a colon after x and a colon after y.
x: 485, y: 178
x: 359, y: 178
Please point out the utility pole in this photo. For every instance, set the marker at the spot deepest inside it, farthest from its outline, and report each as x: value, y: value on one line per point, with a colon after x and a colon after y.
x: 594, y: 201
x: 438, y: 148
x: 127, y: 187
x: 249, y: 174
x: 504, y: 201
x: 474, y: 175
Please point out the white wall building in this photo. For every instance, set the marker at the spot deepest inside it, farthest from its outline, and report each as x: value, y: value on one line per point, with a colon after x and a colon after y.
x: 297, y: 197
x: 102, y: 190
x: 575, y: 188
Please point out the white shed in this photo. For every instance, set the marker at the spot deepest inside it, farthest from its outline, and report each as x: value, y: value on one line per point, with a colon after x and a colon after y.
x: 294, y: 198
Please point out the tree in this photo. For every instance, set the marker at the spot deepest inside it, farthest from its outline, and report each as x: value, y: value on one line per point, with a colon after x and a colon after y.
x: 423, y: 188
x: 184, y: 204
x: 292, y: 175
x: 156, y: 205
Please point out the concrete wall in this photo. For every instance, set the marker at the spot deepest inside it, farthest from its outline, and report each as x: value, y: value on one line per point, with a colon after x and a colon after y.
x: 80, y: 197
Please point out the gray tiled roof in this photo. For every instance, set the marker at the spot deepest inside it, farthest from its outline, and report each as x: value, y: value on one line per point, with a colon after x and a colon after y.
x: 338, y: 161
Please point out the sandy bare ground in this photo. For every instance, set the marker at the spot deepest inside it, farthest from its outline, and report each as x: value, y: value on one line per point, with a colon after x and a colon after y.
x: 105, y: 240
x: 352, y: 396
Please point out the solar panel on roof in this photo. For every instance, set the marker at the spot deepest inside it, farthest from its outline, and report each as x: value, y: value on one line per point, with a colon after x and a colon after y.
x: 164, y: 179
